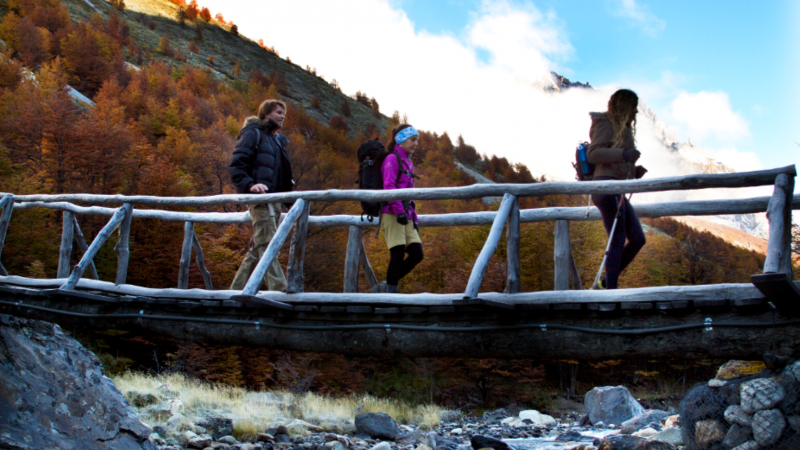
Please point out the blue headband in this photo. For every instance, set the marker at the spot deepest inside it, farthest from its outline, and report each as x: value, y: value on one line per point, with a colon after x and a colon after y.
x: 404, y: 134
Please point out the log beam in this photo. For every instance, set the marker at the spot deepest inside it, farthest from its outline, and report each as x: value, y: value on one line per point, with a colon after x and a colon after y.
x: 98, y: 242
x: 479, y: 269
x: 67, y: 237
x: 363, y: 261
x: 7, y: 206
x: 513, y: 275
x: 561, y: 256
x: 351, y: 260
x: 274, y: 247
x: 297, y: 252
x: 84, y: 247
x: 201, y: 262
x: 779, y: 216
x: 123, y: 244
x: 186, y: 255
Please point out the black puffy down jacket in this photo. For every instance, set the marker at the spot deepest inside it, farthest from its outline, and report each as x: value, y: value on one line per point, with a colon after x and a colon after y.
x: 268, y: 164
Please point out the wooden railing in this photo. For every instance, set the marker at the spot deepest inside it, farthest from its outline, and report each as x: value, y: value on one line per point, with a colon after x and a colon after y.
x: 508, y: 216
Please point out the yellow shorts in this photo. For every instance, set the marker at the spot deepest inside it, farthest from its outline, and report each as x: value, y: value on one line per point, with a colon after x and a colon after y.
x: 396, y: 234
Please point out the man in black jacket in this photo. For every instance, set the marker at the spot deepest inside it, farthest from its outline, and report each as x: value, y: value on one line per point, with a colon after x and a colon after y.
x: 260, y: 164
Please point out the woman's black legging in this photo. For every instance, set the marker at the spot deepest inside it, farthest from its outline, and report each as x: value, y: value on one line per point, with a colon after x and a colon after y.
x: 399, y: 267
x: 628, y: 226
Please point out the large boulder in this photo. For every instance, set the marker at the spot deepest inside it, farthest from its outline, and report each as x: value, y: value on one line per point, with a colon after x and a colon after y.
x: 217, y: 426
x: 377, y: 426
x: 611, y: 405
x: 54, y: 393
x: 478, y: 442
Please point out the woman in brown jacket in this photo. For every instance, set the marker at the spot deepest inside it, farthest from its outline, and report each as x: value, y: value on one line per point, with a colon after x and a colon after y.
x: 612, y: 151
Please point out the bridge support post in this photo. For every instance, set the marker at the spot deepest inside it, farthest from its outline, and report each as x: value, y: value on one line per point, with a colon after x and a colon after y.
x: 779, y: 214
x: 186, y: 255
x: 479, y: 269
x: 122, y: 249
x: 512, y: 250
x: 84, y: 247
x: 201, y: 262
x: 7, y: 205
x: 67, y: 236
x: 297, y: 253
x: 98, y: 241
x: 351, y: 260
x: 561, y: 256
x: 363, y: 261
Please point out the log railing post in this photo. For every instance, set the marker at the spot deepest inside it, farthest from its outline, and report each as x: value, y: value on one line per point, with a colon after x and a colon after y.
x: 84, y: 247
x: 186, y: 255
x: 354, y: 244
x: 512, y: 250
x: 123, y: 248
x: 297, y: 253
x: 7, y: 205
x: 201, y: 262
x: 67, y: 236
x: 482, y: 262
x: 779, y: 214
x: 574, y: 274
x: 561, y: 256
x: 274, y: 247
x: 98, y: 242
x: 363, y: 261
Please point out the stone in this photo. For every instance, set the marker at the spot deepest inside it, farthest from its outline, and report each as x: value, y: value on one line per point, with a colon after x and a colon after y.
x: 612, y: 405
x: 794, y: 422
x: 775, y: 362
x: 54, y: 393
x: 456, y: 431
x: 792, y: 371
x: 537, y: 418
x: 760, y: 394
x: 672, y: 421
x: 737, y: 369
x: 218, y: 446
x: 178, y: 423
x: 672, y: 436
x: 568, y: 436
x: 642, y: 420
x: 382, y: 446
x: 655, y: 445
x: 282, y: 438
x: 450, y: 416
x: 749, y: 445
x: 735, y: 414
x: 230, y: 440
x: 714, y: 383
x: 377, y: 426
x: 768, y: 425
x: 478, y: 442
x: 620, y: 442
x: 141, y: 399
x: 645, y: 432
x: 494, y: 416
x: 217, y: 426
x: 423, y: 447
x: 335, y: 445
x: 200, y: 441
x: 429, y: 439
x: 265, y: 437
x: 708, y: 432
x: 298, y: 426
x: 737, y: 435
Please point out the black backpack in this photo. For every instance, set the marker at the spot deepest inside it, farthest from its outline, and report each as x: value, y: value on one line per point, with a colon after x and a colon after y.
x: 370, y: 159
x: 584, y: 170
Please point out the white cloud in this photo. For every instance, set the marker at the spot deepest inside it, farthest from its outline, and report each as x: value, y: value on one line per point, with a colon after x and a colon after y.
x: 640, y: 16
x: 439, y: 81
x: 738, y: 160
x: 709, y: 114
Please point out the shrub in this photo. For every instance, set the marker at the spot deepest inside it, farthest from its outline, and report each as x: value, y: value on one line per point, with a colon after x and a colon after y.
x: 345, y: 108
x: 211, y: 59
x: 193, y: 47
x: 315, y: 103
x: 338, y: 123
x: 165, y: 46
x: 234, y: 29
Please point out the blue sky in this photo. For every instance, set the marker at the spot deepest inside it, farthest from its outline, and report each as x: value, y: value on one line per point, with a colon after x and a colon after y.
x: 746, y: 49
x: 720, y: 73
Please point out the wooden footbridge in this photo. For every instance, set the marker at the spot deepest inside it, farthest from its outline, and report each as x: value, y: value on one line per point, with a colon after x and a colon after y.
x: 724, y: 320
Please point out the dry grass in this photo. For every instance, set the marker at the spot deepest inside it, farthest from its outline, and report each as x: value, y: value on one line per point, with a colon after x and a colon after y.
x: 254, y: 412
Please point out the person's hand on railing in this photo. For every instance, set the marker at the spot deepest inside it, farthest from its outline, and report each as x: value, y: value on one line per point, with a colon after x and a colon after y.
x: 402, y: 219
x: 640, y: 171
x: 631, y: 155
x: 259, y: 188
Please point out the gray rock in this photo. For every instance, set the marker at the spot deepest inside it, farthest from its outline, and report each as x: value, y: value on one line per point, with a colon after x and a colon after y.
x: 612, y: 405
x: 478, y: 442
x: 382, y: 446
x: 735, y: 414
x: 737, y: 435
x: 217, y: 426
x: 768, y: 425
x: 494, y: 416
x: 749, y: 445
x: 792, y: 371
x: 620, y: 442
x: 760, y: 394
x: 429, y: 439
x: 794, y: 422
x: 568, y: 436
x: 54, y: 393
x: 642, y: 420
x: 708, y: 432
x: 265, y: 437
x: 450, y: 416
x: 335, y: 445
x: 670, y: 435
x: 230, y: 440
x: 200, y: 441
x: 377, y: 426
x: 282, y: 437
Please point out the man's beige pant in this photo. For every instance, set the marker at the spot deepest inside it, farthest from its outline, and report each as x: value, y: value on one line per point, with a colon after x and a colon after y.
x: 264, y: 218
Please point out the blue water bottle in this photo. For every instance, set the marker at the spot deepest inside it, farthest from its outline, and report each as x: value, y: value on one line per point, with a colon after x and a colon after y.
x: 586, y: 168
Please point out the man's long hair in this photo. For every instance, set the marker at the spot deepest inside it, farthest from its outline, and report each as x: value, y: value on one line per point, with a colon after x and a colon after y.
x: 622, y: 114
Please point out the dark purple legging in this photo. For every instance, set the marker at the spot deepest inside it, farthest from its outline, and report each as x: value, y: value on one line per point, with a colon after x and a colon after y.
x: 628, y: 226
x: 399, y: 267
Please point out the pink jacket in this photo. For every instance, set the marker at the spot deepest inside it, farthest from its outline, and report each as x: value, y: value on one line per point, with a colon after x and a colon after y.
x: 389, y: 170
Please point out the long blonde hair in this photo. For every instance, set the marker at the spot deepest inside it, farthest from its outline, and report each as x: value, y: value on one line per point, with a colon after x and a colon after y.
x: 622, y: 114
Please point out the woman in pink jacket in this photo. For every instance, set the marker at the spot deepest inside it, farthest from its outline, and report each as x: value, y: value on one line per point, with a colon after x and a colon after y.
x: 399, y: 218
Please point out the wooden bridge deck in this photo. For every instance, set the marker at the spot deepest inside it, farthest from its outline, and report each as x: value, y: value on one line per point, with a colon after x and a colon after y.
x: 726, y: 320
